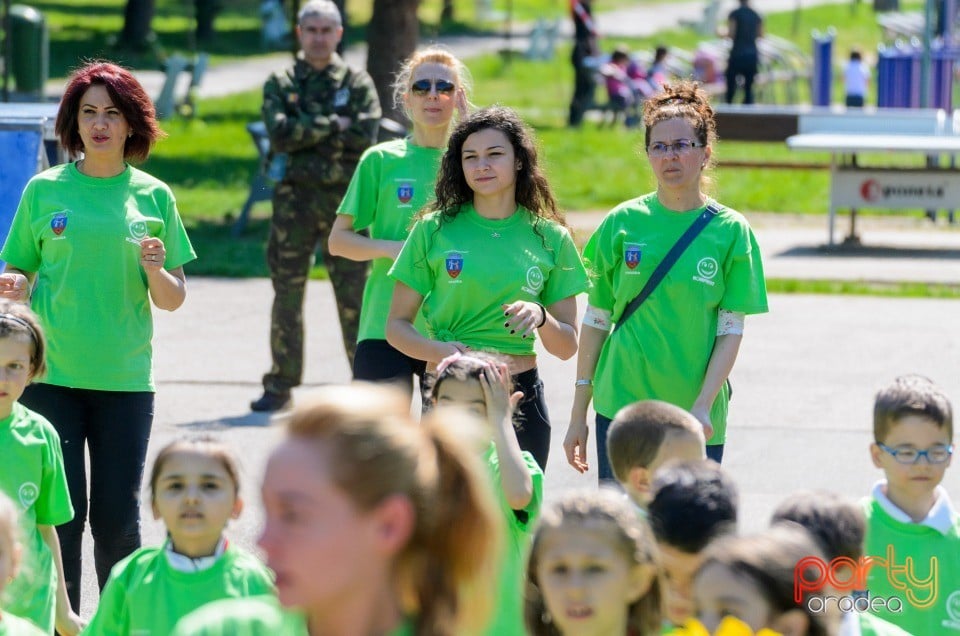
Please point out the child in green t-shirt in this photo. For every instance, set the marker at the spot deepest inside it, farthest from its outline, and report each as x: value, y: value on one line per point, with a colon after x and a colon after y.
x: 913, y: 531
x: 643, y: 437
x: 838, y: 527
x: 594, y: 570
x: 481, y: 383
x: 33, y: 475
x: 10, y: 552
x: 194, y: 486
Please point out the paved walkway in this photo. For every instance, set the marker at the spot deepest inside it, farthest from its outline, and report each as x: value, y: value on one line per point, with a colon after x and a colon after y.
x: 804, y: 381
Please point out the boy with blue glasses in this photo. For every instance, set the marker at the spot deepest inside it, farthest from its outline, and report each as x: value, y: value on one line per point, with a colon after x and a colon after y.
x: 913, y: 531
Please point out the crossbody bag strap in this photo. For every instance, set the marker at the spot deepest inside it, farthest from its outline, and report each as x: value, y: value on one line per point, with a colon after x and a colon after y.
x: 668, y: 261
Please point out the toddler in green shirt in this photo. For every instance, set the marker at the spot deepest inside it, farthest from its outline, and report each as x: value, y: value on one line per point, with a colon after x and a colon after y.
x: 195, y: 491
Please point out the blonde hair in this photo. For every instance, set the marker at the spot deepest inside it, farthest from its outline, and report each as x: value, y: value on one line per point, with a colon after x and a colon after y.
x: 374, y: 451
x: 634, y: 540
x: 431, y: 55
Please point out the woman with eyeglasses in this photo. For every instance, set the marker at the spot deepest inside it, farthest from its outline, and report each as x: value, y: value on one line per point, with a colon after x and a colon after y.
x: 680, y: 344
x: 393, y: 181
x: 493, y: 265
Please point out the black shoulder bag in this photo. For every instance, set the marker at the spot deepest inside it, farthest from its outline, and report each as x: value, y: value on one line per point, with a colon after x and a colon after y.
x: 668, y: 261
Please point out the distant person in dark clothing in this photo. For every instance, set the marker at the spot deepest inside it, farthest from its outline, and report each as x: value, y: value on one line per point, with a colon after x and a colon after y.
x: 744, y: 26
x: 584, y: 46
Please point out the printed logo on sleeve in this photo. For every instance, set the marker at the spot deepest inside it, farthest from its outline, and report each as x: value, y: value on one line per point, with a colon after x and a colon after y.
x: 454, y: 265
x: 28, y: 494
x: 59, y: 222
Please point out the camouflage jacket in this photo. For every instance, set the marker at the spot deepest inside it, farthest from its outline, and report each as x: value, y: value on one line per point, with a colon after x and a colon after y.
x: 300, y: 109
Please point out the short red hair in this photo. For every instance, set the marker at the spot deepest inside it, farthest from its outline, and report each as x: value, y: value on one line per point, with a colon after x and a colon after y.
x: 127, y: 95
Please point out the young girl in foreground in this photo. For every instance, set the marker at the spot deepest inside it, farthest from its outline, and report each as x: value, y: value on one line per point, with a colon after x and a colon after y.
x: 593, y: 570
x: 10, y: 553
x: 33, y: 475
x: 194, y: 487
x: 752, y: 578
x: 374, y: 525
x: 481, y: 383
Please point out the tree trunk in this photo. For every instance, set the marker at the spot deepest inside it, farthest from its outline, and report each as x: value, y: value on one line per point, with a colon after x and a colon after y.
x: 137, y: 20
x: 392, y: 36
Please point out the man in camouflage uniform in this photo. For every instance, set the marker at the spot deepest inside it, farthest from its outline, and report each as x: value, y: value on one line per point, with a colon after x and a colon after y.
x: 323, y: 114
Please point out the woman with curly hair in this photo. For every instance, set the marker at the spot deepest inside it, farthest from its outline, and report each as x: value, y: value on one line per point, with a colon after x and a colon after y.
x: 492, y: 266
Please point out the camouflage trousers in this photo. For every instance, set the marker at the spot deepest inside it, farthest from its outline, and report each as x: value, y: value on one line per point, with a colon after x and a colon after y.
x: 302, y: 218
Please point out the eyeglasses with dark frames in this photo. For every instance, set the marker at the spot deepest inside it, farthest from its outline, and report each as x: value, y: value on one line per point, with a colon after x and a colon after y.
x: 422, y: 87
x: 680, y: 147
x: 935, y: 454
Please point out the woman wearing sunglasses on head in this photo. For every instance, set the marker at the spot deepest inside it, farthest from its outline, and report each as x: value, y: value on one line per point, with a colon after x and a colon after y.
x: 681, y: 343
x: 492, y: 266
x: 392, y: 182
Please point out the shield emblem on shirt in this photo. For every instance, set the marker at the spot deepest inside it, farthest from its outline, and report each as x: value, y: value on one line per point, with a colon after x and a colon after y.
x: 454, y: 265
x: 405, y: 193
x: 59, y: 223
x: 631, y: 256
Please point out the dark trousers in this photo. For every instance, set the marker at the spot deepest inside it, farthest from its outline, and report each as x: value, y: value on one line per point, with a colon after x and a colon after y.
x: 532, y: 420
x: 378, y: 361
x: 115, y: 427
x: 302, y: 218
x: 745, y: 66
x: 584, y: 85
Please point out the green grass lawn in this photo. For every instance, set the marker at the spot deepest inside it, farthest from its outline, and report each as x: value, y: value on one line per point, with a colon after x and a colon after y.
x: 209, y: 161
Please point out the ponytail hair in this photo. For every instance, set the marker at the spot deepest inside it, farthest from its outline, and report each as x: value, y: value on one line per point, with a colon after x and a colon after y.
x: 375, y: 450
x: 633, y: 538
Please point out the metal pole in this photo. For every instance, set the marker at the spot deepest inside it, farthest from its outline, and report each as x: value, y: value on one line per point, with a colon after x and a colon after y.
x: 925, y: 59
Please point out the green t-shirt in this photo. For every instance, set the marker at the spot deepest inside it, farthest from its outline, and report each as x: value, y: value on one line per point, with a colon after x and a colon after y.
x: 145, y: 595
x: 11, y: 625
x: 507, y: 619
x: 81, y: 235
x: 871, y: 625
x: 662, y: 350
x: 393, y: 182
x: 935, y: 606
x: 468, y: 267
x: 257, y: 616
x: 33, y: 477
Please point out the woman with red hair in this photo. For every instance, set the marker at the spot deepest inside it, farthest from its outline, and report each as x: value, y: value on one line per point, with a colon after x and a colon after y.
x: 92, y: 243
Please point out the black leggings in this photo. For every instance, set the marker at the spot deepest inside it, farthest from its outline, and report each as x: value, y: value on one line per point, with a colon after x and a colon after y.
x: 115, y: 426
x: 378, y: 361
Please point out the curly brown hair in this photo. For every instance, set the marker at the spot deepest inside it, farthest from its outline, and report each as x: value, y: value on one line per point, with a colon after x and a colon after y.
x: 533, y: 191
